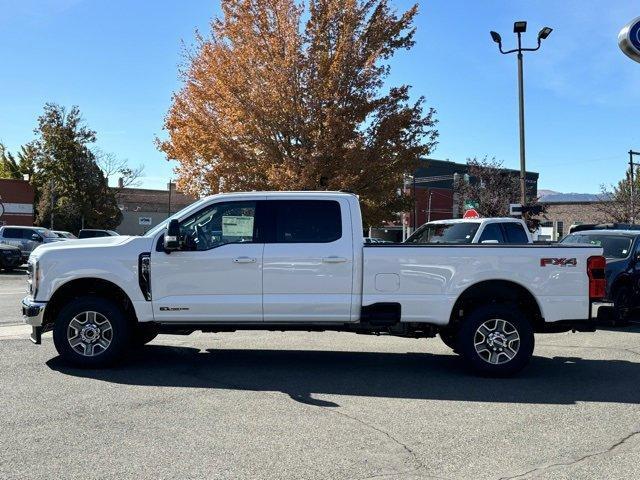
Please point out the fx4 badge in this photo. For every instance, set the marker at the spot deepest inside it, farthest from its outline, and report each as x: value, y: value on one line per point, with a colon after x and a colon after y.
x: 561, y: 262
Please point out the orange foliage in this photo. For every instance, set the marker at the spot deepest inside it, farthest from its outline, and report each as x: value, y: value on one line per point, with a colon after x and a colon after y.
x: 278, y: 97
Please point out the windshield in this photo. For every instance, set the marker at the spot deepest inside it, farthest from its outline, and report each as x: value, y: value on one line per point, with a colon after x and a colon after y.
x: 613, y: 246
x: 162, y: 225
x: 46, y: 233
x: 445, y: 233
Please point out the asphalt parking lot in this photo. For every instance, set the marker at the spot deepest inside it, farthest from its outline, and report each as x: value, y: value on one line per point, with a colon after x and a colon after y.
x: 254, y: 405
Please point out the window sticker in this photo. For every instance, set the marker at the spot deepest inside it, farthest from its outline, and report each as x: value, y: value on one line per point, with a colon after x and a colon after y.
x: 237, y: 226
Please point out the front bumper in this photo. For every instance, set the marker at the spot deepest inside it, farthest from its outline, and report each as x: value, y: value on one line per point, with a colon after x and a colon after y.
x: 33, y: 314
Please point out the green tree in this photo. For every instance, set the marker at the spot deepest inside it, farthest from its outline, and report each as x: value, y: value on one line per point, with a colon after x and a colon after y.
x: 17, y: 166
x: 68, y: 181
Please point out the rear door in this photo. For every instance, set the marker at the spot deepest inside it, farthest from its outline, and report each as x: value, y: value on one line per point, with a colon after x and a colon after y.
x: 308, y: 261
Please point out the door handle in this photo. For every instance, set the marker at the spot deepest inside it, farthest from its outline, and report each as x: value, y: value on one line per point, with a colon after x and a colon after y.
x: 244, y: 260
x: 334, y: 259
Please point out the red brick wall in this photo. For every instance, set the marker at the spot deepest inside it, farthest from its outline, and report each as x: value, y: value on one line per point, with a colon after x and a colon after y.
x: 441, y: 205
x: 16, y: 192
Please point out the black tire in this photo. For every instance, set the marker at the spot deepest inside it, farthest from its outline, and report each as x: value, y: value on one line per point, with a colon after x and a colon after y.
x: 500, y: 348
x: 143, y: 334
x: 119, y: 337
x: 450, y: 339
x: 622, y: 305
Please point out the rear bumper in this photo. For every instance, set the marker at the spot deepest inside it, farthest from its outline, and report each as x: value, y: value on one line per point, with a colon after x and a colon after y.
x: 598, y: 308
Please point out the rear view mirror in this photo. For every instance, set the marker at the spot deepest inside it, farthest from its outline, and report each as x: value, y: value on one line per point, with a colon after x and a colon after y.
x: 172, y: 236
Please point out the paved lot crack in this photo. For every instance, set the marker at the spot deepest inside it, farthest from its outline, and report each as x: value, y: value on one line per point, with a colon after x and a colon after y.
x: 609, y: 449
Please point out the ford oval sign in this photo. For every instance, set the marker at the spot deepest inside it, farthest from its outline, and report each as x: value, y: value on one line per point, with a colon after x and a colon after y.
x: 629, y: 39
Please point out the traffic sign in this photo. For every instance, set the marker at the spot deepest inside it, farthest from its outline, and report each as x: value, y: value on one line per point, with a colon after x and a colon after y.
x: 515, y: 209
x: 471, y: 213
x: 629, y: 39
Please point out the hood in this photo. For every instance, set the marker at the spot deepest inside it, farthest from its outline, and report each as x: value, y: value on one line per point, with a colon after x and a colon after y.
x: 8, y: 247
x: 79, y: 245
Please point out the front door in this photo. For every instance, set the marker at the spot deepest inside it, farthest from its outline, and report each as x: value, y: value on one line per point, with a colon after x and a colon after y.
x: 217, y: 274
x: 308, y: 262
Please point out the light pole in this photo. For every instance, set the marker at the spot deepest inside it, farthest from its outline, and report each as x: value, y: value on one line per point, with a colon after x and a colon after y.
x: 519, y: 28
x: 632, y: 165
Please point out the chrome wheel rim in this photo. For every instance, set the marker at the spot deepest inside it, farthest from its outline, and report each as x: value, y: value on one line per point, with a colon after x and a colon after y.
x: 497, y: 341
x: 90, y: 333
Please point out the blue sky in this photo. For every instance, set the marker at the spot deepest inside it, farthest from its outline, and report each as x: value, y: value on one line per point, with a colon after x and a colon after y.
x: 118, y: 60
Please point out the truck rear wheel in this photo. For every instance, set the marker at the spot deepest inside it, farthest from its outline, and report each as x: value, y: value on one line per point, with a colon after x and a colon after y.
x: 91, y: 332
x: 496, y: 340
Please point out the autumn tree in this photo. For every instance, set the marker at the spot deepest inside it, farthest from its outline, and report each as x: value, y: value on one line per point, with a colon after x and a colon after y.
x: 615, y: 200
x: 489, y: 185
x: 67, y: 178
x: 280, y: 96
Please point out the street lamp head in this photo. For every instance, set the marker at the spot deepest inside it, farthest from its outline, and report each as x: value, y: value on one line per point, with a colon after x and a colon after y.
x: 519, y: 27
x: 496, y: 37
x: 544, y: 33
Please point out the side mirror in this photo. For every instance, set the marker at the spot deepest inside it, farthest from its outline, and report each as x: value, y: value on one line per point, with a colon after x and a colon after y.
x: 172, y: 236
x: 36, y: 238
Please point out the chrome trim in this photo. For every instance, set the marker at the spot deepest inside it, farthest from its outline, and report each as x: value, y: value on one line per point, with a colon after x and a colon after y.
x: 33, y: 312
x: 596, y: 306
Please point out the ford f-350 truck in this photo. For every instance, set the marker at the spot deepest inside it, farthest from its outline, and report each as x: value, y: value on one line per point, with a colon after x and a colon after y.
x: 296, y: 261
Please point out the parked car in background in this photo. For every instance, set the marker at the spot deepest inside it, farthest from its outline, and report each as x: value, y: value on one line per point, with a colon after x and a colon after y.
x: 375, y: 240
x: 621, y: 248
x: 473, y: 230
x: 26, y: 238
x: 10, y: 257
x: 63, y: 234
x: 92, y: 233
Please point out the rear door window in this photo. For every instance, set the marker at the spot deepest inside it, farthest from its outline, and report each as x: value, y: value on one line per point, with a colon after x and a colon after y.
x: 515, y: 233
x: 492, y: 231
x: 12, y: 233
x: 307, y: 221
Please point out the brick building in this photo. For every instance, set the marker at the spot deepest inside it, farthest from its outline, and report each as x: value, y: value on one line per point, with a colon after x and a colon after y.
x: 16, y: 202
x: 434, y: 196
x: 565, y: 210
x: 142, y: 209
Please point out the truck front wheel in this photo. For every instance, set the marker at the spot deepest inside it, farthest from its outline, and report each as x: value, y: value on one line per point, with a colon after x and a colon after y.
x: 496, y: 340
x: 91, y: 332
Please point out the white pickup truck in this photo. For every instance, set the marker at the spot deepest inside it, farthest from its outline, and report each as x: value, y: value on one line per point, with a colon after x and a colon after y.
x: 296, y: 261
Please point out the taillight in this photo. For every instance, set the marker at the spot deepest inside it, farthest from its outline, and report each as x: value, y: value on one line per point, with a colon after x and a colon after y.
x: 597, y: 280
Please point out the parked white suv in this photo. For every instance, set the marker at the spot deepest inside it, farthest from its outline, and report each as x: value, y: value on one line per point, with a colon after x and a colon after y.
x: 473, y: 230
x: 297, y: 261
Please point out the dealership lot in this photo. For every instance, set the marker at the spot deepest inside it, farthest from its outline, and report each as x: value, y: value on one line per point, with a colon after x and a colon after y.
x: 317, y: 405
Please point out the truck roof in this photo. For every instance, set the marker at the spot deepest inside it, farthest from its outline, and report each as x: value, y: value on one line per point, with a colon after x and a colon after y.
x: 607, y: 231
x: 476, y: 220
x: 271, y: 193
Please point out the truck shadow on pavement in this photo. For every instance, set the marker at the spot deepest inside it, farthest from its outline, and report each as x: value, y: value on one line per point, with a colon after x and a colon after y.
x: 302, y: 374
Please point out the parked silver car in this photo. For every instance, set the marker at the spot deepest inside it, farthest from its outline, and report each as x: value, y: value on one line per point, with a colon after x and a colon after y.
x: 26, y: 238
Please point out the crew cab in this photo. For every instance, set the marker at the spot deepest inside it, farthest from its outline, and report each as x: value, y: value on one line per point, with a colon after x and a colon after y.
x: 297, y: 261
x: 473, y: 230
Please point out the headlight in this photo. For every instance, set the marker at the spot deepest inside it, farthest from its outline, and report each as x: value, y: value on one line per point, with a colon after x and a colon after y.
x: 33, y: 278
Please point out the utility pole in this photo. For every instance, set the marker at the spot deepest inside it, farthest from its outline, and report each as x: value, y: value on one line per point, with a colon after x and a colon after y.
x: 632, y: 164
x: 53, y: 202
x: 429, y: 207
x: 169, y: 206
